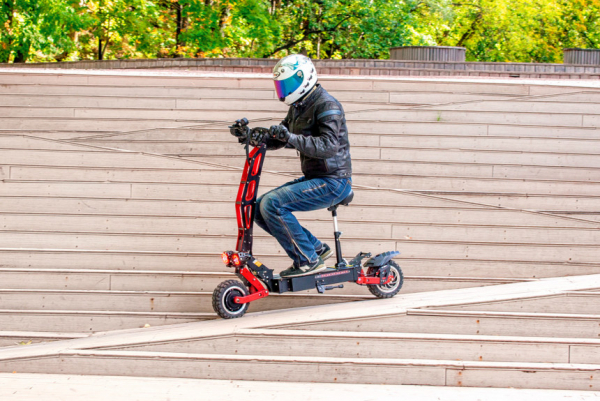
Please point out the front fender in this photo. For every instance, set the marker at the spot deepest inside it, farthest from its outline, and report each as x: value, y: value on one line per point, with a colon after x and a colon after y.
x: 382, y: 259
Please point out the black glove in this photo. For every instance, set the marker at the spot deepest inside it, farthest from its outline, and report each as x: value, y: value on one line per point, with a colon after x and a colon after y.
x: 279, y: 132
x: 240, y: 129
x: 258, y: 136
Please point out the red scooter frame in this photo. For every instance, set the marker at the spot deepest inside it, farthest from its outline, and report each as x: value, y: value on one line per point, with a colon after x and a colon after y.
x: 231, y: 298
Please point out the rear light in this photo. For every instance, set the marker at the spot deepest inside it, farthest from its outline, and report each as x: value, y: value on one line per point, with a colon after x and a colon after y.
x: 225, y: 257
x: 235, y: 259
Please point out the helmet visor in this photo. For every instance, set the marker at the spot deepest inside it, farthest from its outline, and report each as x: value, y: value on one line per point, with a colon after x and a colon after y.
x: 287, y: 86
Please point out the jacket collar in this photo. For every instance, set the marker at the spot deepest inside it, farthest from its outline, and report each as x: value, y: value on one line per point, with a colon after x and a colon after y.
x: 310, y: 97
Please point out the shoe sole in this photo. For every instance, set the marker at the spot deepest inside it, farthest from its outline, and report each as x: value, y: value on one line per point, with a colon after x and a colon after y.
x: 326, y: 255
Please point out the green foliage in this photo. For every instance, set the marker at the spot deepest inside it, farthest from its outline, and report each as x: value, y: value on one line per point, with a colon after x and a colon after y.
x: 491, y: 30
x: 514, y: 30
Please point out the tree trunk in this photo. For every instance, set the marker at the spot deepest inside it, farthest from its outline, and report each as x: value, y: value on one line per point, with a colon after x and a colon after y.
x: 178, y: 31
x: 181, y: 25
x: 100, y: 48
x: 22, y: 53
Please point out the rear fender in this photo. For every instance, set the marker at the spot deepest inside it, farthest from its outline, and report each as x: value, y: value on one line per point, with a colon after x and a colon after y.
x: 382, y: 259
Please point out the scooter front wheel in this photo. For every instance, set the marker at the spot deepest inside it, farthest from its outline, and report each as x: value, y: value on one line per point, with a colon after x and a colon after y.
x: 223, y: 299
x: 390, y: 289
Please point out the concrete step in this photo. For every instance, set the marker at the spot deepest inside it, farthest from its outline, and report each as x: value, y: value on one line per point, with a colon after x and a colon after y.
x: 587, y: 96
x: 165, y: 117
x: 26, y: 143
x: 527, y: 105
x: 94, y: 388
x: 244, y: 101
x: 408, y: 182
x: 363, y: 370
x: 493, y: 117
x: 210, y: 262
x: 468, y: 160
x: 151, y: 301
x: 358, y: 211
x: 411, y: 249
x: 183, y: 92
x: 532, y: 158
x: 547, y: 203
x: 111, y: 280
x: 117, y: 125
x: 65, y: 321
x: 24, y: 338
x: 507, y: 154
x: 454, y: 128
x: 194, y: 227
x: 89, y: 157
x: 389, y: 142
x: 277, y: 111
x: 189, y: 193
x: 346, y: 344
x: 584, y: 303
x: 361, y: 131
x: 254, y: 82
x: 137, y: 91
x: 469, y: 323
x: 485, y: 170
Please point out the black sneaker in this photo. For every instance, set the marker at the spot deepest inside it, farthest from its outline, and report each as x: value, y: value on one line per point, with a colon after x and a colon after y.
x: 325, y: 252
x: 291, y: 271
x: 316, y: 267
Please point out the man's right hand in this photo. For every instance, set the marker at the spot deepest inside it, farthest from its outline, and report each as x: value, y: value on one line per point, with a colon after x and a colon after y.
x: 240, y: 129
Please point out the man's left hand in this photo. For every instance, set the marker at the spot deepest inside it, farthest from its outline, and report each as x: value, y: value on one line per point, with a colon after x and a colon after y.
x: 279, y: 132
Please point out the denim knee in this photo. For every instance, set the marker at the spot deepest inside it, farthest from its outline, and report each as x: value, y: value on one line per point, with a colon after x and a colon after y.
x: 268, y: 205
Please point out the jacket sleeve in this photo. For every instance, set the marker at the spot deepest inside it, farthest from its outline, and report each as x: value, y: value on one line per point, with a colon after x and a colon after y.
x: 274, y: 144
x: 329, y: 121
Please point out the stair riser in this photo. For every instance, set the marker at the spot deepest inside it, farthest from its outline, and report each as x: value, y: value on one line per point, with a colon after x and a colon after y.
x: 225, y: 370
x: 527, y: 106
x: 224, y: 209
x: 398, y: 182
x: 466, y: 325
x: 340, y: 347
x: 226, y: 226
x: 137, y: 91
x: 192, y: 303
x: 307, y: 372
x: 187, y: 283
x: 586, y: 305
x: 267, y: 83
x: 409, y: 248
x: 211, y: 262
x: 276, y: 110
x: 381, y: 167
x: 19, y: 321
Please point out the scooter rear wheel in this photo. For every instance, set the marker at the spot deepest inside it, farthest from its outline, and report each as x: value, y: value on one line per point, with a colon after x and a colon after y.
x: 390, y: 289
x: 223, y: 299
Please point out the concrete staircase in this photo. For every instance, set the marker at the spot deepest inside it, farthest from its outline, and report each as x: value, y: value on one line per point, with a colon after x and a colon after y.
x: 116, y: 199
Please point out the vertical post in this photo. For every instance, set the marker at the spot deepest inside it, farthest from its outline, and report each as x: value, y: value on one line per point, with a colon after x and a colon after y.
x: 337, y: 234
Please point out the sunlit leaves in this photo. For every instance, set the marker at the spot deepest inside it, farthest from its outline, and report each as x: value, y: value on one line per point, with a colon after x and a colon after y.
x: 491, y: 30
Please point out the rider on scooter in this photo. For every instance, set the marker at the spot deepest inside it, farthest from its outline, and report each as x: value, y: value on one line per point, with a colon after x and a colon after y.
x: 316, y: 127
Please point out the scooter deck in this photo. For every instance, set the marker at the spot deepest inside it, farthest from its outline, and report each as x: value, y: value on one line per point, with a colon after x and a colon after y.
x: 312, y: 281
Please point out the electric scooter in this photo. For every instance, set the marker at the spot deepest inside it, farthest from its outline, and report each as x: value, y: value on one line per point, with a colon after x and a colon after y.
x: 382, y: 276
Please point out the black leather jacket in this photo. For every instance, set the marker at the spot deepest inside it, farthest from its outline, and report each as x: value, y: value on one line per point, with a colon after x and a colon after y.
x: 317, y: 125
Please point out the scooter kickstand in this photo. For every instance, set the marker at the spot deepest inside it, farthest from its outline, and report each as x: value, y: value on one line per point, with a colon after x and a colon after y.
x: 322, y: 288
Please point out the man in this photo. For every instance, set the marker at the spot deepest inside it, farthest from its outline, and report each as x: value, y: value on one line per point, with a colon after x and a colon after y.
x: 316, y: 127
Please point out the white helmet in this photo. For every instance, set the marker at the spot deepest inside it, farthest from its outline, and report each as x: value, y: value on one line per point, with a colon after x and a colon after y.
x: 294, y: 76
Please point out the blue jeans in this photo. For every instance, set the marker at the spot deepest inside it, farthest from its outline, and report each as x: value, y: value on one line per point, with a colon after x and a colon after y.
x: 274, y: 213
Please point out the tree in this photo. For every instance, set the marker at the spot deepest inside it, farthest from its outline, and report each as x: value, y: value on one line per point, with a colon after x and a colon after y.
x: 47, y: 26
